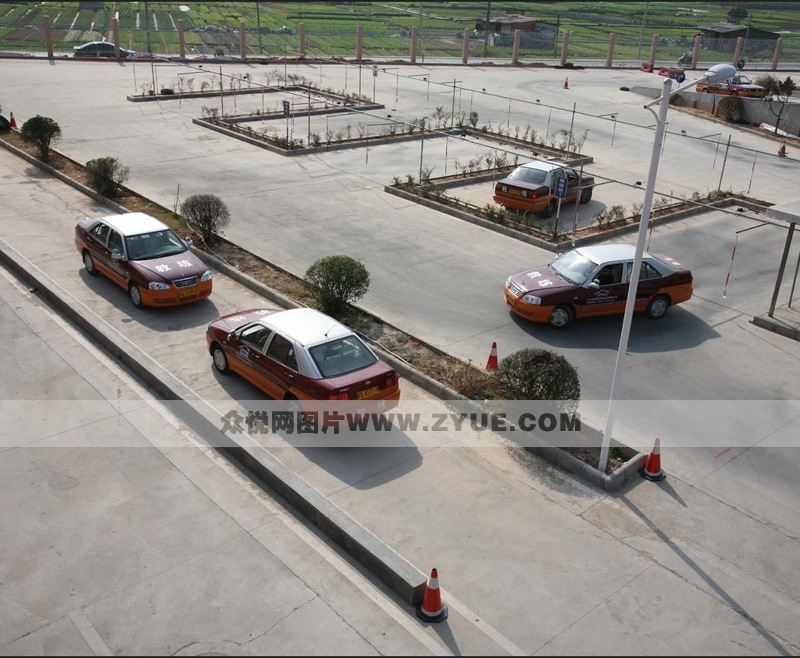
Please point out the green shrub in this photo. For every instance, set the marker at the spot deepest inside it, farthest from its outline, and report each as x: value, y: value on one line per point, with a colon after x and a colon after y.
x: 538, y: 374
x: 43, y: 132
x: 337, y: 281
x: 106, y: 175
x: 731, y: 108
x: 209, y: 213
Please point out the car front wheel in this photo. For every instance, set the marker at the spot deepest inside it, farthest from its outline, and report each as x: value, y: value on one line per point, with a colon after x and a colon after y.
x: 220, y: 360
x: 88, y: 263
x: 561, y: 316
x: 705, y: 91
x: 136, y: 296
x: 657, y: 307
x: 586, y: 195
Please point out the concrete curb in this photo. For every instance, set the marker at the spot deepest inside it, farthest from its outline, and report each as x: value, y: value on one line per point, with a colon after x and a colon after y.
x: 394, y: 571
x: 776, y: 326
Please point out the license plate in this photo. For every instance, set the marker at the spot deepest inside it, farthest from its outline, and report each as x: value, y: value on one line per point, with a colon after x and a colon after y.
x: 513, y: 191
x: 183, y: 294
x: 367, y: 392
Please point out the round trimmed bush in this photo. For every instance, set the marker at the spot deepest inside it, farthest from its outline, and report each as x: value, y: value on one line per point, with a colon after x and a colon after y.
x: 537, y: 374
x: 337, y: 281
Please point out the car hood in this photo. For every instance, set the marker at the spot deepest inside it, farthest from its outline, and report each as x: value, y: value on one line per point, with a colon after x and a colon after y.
x: 539, y: 280
x: 170, y: 268
x: 240, y: 318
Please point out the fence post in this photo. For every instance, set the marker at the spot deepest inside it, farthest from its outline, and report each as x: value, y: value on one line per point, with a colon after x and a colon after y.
x: 414, y: 39
x: 737, y: 54
x: 48, y: 36
x: 653, y: 47
x: 612, y: 40
x: 359, y: 42
x: 517, y: 38
x: 777, y: 55
x: 465, y: 48
x: 242, y: 41
x: 115, y: 35
x: 696, y: 51
x: 302, y: 39
x: 564, y: 48
x: 181, y: 39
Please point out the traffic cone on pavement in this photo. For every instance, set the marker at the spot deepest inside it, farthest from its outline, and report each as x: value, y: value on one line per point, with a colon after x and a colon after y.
x: 491, y: 364
x: 781, y: 150
x: 12, y: 120
x: 652, y: 467
x: 432, y: 608
x: 566, y: 83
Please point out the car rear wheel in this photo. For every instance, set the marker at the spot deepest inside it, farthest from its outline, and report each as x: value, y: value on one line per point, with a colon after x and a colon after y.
x: 88, y: 263
x: 219, y: 359
x: 705, y: 91
x: 561, y: 316
x: 734, y: 93
x: 136, y: 296
x: 657, y: 307
x: 586, y: 195
x: 550, y: 209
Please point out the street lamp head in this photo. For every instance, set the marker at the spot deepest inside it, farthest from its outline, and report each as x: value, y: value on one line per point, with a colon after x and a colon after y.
x: 720, y: 72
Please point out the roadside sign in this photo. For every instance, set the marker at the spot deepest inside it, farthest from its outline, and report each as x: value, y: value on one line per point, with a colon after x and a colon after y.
x: 286, y: 109
x: 740, y: 64
x: 680, y: 77
x: 561, y: 187
x: 374, y: 70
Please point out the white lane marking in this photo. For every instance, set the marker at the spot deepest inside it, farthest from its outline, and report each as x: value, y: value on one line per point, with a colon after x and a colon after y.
x: 89, y: 634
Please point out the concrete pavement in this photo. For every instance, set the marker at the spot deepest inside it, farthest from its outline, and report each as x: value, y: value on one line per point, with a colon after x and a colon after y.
x: 560, y: 564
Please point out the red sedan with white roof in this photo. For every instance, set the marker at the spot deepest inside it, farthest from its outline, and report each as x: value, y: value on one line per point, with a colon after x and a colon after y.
x: 145, y: 257
x: 592, y: 281
x: 300, y: 354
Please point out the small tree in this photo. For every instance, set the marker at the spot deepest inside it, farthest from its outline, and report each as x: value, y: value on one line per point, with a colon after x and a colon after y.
x: 106, y: 175
x: 209, y: 213
x: 537, y: 374
x: 778, y: 91
x: 337, y: 281
x: 44, y: 132
x: 736, y: 14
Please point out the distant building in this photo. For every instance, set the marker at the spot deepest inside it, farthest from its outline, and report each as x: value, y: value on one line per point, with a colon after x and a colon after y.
x: 723, y: 36
x: 503, y: 26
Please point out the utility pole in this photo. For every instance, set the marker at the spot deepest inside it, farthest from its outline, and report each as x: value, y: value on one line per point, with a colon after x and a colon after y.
x: 258, y: 21
x: 641, y: 32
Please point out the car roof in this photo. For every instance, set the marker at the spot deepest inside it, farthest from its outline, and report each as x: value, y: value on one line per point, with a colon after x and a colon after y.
x: 544, y: 166
x: 610, y: 252
x: 306, y: 326
x: 133, y: 223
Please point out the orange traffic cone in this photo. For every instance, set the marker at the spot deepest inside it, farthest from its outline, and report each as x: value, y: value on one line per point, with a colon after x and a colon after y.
x: 432, y: 608
x: 566, y: 83
x: 12, y: 120
x: 781, y: 150
x: 652, y: 467
x: 491, y: 364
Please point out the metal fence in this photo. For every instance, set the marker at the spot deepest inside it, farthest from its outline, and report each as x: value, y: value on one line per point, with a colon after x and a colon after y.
x: 22, y: 33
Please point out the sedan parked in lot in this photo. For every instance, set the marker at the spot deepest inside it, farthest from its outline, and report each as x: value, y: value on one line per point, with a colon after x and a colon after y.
x: 532, y: 187
x: 300, y: 354
x: 591, y: 281
x: 100, y: 49
x: 738, y: 85
x: 143, y: 256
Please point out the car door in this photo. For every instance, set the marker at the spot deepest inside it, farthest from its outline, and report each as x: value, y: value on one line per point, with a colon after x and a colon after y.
x: 573, y: 181
x: 118, y: 268
x: 650, y: 282
x: 610, y: 294
x: 245, y: 353
x: 96, y: 241
x: 282, y: 364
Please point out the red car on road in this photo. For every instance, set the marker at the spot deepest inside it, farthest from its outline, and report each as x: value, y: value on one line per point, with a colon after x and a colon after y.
x: 300, y: 354
x: 738, y: 85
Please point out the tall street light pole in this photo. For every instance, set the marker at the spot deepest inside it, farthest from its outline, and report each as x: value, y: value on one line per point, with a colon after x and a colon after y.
x: 716, y: 73
x: 641, y: 32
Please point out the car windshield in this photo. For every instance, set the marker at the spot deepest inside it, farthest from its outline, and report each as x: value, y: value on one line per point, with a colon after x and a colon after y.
x: 341, y: 356
x: 573, y: 266
x: 742, y: 80
x: 155, y: 244
x: 528, y: 175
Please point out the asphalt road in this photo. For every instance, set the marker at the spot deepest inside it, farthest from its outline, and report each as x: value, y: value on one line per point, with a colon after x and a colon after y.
x: 441, y: 279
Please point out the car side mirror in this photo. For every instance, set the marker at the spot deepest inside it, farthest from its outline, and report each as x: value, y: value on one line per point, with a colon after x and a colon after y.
x: 594, y: 285
x: 188, y: 241
x: 116, y: 254
x: 232, y: 335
